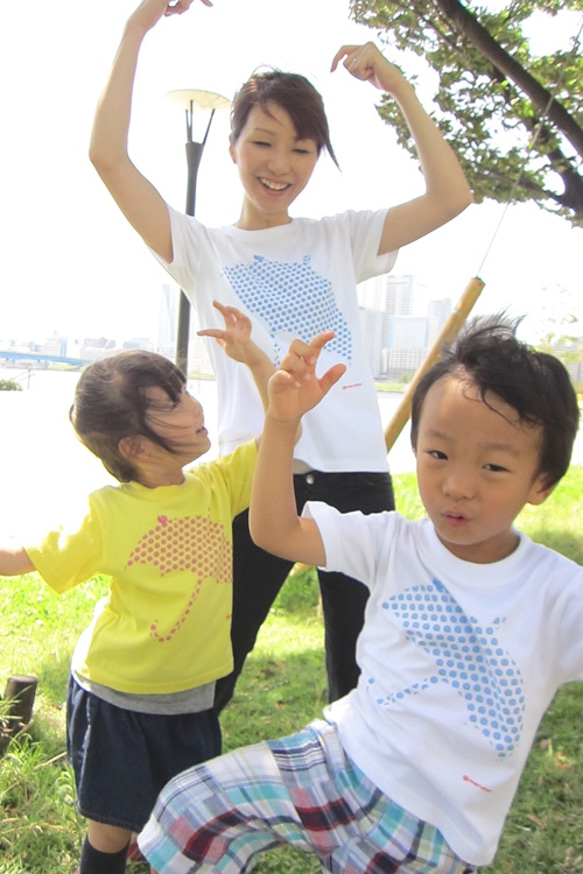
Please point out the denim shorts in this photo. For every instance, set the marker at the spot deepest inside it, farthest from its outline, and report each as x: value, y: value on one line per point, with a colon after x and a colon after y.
x: 122, y: 759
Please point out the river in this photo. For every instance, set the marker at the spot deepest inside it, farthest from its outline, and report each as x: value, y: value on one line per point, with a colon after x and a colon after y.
x: 45, y: 470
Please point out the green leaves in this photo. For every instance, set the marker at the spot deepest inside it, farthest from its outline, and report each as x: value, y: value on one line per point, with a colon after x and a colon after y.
x: 493, y: 96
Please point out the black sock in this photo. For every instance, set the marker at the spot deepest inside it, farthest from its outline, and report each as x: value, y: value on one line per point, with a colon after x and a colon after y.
x: 95, y: 862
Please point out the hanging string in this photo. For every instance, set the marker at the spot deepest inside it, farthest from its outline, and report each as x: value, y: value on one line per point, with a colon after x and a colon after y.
x: 533, y: 140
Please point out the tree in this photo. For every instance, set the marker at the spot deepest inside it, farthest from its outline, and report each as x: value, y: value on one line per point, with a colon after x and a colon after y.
x: 560, y: 332
x: 515, y: 120
x: 9, y: 385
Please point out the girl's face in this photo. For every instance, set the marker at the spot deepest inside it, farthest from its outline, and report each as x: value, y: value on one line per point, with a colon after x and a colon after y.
x: 181, y: 424
x: 274, y: 166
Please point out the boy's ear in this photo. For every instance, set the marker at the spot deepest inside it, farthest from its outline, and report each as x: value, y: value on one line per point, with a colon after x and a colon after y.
x: 232, y: 152
x: 132, y: 448
x: 540, y: 490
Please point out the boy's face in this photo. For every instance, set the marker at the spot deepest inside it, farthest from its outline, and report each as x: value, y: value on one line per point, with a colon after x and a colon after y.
x: 476, y: 468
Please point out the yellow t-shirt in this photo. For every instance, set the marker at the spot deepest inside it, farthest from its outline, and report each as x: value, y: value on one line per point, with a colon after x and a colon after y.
x: 164, y: 625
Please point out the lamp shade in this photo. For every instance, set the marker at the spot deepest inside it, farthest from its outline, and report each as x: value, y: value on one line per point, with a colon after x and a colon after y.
x: 199, y: 99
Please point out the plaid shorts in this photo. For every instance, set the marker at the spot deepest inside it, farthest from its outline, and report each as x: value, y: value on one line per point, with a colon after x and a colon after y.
x: 301, y: 791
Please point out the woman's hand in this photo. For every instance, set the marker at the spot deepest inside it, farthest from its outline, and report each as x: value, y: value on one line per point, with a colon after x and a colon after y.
x: 367, y: 63
x: 149, y: 12
x: 177, y: 7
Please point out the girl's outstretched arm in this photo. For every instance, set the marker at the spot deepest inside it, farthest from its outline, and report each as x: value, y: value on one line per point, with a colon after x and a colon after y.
x: 235, y: 339
x: 137, y: 198
x: 293, y: 390
x: 447, y: 192
x: 14, y: 561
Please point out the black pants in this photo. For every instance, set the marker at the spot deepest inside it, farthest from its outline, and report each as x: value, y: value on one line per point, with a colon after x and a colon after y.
x: 258, y: 576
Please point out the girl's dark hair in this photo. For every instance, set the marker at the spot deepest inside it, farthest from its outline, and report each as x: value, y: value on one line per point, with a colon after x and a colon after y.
x: 291, y: 92
x: 535, y: 384
x: 111, y: 402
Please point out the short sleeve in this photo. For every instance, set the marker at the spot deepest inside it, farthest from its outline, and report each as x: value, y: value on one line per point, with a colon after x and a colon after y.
x: 355, y: 544
x: 69, y: 554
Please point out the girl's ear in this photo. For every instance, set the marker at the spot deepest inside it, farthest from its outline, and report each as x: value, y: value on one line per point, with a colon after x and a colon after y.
x: 232, y: 151
x: 131, y: 448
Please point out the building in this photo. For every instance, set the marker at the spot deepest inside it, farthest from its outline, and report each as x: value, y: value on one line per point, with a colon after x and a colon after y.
x: 397, y: 326
x: 408, y: 340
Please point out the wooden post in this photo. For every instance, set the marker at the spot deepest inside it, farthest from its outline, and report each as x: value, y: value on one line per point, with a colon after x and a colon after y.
x: 446, y: 335
x: 18, y: 704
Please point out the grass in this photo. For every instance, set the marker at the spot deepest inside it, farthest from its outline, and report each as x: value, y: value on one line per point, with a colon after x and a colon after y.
x: 283, y: 687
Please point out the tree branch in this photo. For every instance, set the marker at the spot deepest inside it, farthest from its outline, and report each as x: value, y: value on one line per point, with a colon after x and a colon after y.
x: 471, y: 28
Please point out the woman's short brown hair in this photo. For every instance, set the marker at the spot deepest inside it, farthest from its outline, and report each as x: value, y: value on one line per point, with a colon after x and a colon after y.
x: 291, y: 92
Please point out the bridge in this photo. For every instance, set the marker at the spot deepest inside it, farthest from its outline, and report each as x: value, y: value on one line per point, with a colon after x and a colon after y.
x: 10, y: 355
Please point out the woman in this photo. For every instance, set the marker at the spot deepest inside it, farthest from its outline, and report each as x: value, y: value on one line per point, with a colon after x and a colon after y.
x: 289, y: 275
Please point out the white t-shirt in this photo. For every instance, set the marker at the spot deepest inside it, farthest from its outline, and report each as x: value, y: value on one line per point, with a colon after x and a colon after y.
x: 293, y: 280
x: 459, y: 663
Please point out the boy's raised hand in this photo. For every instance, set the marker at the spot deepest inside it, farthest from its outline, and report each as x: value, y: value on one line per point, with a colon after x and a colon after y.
x: 294, y: 388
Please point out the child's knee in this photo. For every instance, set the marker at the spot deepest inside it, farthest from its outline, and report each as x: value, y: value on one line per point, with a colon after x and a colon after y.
x: 108, y: 838
x: 108, y: 854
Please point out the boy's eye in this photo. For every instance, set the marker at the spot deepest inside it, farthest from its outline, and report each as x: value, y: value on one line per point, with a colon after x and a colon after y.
x: 437, y: 453
x: 496, y: 468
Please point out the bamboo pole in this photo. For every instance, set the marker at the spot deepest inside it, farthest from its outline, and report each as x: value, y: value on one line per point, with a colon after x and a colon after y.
x: 446, y: 335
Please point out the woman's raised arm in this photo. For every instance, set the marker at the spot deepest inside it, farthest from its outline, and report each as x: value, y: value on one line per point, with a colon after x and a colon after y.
x: 138, y: 199
x: 447, y: 191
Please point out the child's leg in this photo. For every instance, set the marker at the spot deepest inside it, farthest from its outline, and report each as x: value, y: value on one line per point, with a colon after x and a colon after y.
x: 104, y: 849
x: 108, y: 838
x: 217, y: 816
x: 301, y: 791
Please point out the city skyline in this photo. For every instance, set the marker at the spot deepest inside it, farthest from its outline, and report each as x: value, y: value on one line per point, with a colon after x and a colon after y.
x: 398, y: 325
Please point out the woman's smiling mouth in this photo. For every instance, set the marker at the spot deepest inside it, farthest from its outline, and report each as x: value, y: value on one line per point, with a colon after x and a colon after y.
x: 274, y: 186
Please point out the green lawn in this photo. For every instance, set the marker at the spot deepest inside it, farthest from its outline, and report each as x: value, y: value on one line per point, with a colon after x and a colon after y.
x: 283, y: 686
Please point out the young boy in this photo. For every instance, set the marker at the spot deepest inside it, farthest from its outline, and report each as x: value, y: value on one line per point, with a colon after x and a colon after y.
x: 470, y: 629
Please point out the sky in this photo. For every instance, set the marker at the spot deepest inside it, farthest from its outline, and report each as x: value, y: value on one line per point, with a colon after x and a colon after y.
x: 72, y: 266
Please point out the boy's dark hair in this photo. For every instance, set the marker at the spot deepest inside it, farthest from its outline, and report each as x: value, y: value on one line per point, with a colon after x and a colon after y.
x: 291, y: 92
x: 535, y: 384
x: 111, y: 403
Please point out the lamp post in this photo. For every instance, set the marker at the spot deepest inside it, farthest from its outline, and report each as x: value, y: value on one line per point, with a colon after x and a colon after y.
x: 208, y: 102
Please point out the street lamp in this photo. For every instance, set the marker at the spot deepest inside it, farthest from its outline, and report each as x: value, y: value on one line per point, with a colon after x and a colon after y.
x: 206, y: 102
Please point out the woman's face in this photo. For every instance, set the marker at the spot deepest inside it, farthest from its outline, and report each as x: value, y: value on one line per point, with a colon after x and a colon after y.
x: 274, y: 166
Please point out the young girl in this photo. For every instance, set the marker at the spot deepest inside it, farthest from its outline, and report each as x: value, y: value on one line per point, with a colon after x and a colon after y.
x: 140, y: 701
x: 294, y: 277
